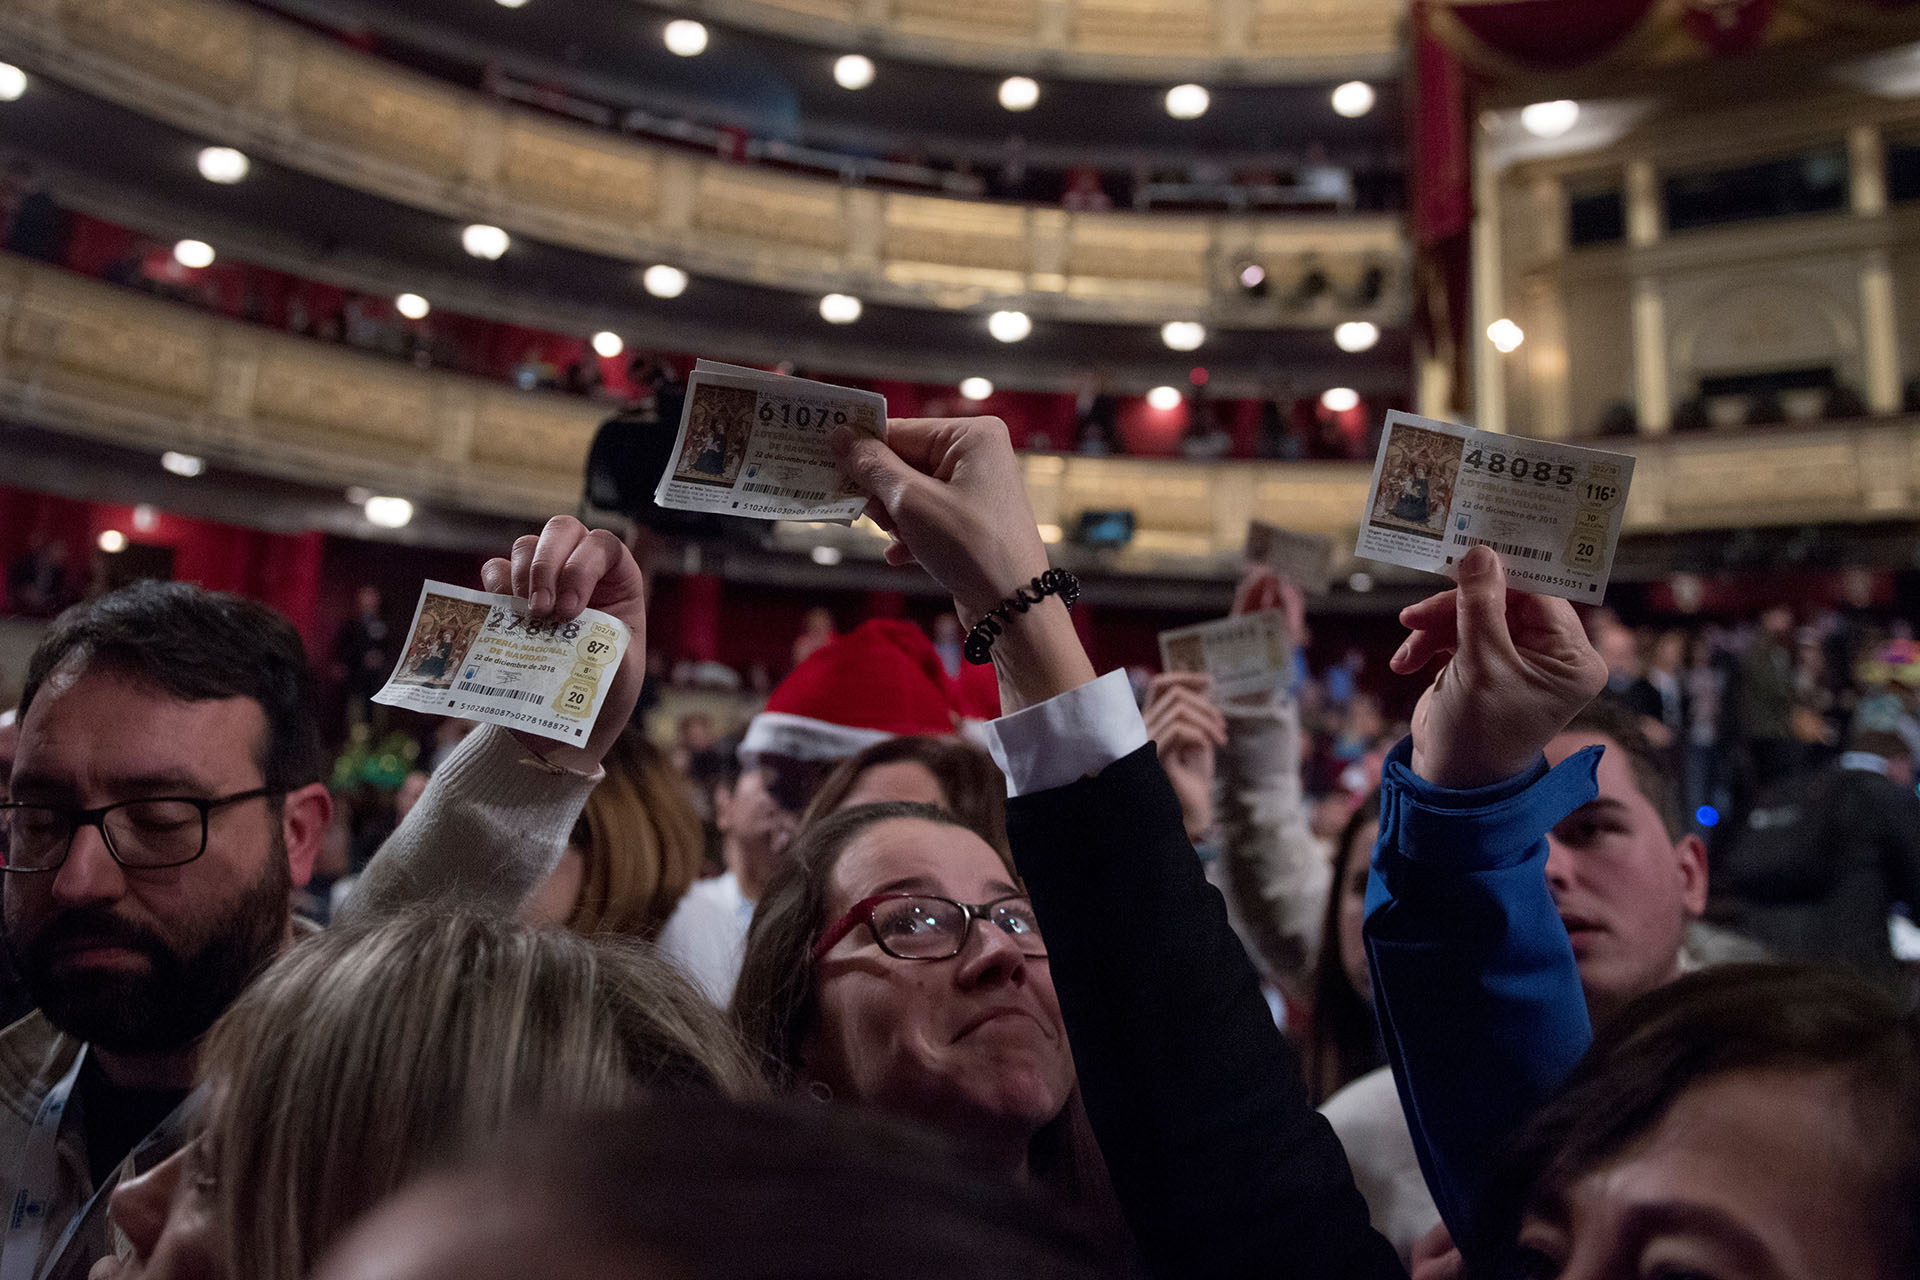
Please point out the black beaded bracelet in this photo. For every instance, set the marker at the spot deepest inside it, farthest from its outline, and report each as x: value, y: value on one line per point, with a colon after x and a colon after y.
x: 979, y: 647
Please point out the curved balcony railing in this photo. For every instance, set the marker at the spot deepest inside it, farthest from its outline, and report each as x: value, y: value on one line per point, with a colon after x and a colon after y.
x: 91, y: 359
x: 237, y: 75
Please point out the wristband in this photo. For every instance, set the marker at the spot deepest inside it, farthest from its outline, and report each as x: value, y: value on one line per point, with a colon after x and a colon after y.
x: 979, y: 647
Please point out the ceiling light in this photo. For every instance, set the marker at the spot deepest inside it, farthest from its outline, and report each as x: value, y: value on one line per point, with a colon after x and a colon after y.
x: 145, y: 518
x: 1252, y: 276
x: 509, y: 4
x: 1164, y: 398
x: 607, y: 343
x: 1356, y: 335
x: 975, y: 388
x: 483, y: 241
x: 1360, y: 581
x: 1550, y: 119
x: 412, y: 306
x: 685, y: 37
x: 1183, y: 335
x: 1339, y: 399
x: 13, y: 82
x: 388, y: 513
x: 112, y: 541
x: 839, y: 308
x: 1019, y: 93
x: 853, y: 71
x: 827, y: 556
x: 193, y: 253
x: 663, y: 281
x: 1188, y: 101
x: 1505, y: 335
x: 1009, y: 326
x: 182, y: 464
x: 222, y: 164
x: 1354, y: 99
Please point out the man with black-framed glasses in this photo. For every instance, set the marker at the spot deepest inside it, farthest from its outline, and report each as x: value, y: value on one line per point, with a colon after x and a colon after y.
x: 166, y: 796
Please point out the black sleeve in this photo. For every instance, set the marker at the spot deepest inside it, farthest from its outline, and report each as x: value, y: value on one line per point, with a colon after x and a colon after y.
x: 1222, y: 1166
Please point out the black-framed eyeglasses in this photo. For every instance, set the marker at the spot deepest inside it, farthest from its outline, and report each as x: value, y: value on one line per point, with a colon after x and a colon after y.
x: 925, y: 926
x: 142, y: 835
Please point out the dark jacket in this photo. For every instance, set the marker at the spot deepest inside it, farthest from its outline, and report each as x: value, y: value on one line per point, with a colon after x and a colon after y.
x: 1220, y: 1163
x: 1821, y: 860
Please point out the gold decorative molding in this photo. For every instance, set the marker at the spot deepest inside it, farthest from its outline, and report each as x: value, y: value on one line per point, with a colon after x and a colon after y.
x: 230, y: 72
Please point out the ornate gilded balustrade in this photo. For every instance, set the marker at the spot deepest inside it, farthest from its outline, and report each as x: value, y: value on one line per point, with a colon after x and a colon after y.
x: 96, y: 360
x: 1247, y: 40
x: 237, y: 75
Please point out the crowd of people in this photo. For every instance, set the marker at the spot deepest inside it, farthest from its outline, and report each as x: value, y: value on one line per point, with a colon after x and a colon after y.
x: 1024, y: 970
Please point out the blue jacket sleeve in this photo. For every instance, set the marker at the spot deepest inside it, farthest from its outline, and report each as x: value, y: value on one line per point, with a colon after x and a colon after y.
x: 1475, y: 984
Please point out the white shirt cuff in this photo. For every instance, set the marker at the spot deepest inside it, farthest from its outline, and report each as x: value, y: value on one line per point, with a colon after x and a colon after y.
x: 1068, y: 736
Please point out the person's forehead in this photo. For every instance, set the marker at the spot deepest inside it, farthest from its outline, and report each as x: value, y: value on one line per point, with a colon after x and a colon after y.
x: 944, y: 859
x: 106, y: 723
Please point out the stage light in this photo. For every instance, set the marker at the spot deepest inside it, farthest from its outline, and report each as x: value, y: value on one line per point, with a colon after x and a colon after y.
x: 13, y: 82
x: 1164, y: 398
x: 1550, y: 119
x: 182, y: 464
x: 1009, y: 326
x: 1505, y: 335
x: 853, y: 71
x: 607, y: 344
x: 223, y: 165
x: 840, y: 308
x: 483, y: 241
x: 975, y: 388
x: 1188, y: 101
x: 1707, y: 816
x: 1183, y: 335
x: 412, y: 306
x: 663, y: 281
x: 1356, y: 335
x: 1339, y: 399
x: 388, y: 513
x: 112, y: 541
x: 1354, y: 99
x: 685, y: 37
x: 1019, y: 93
x: 825, y: 556
x: 193, y: 253
x: 1252, y: 276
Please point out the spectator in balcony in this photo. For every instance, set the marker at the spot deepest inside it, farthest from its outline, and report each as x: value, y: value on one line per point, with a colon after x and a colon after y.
x: 36, y: 225
x: 1084, y: 193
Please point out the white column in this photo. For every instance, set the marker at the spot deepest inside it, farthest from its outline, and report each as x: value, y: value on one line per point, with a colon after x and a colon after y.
x: 1644, y: 223
x: 1880, y: 349
x: 1650, y: 377
x: 1489, y: 302
x: 1867, y: 170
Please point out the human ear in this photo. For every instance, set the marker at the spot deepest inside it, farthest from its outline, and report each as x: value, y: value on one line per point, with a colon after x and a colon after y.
x: 304, y: 815
x: 1690, y: 858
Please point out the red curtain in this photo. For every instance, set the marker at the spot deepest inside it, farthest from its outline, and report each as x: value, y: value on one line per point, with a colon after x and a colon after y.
x: 1538, y: 35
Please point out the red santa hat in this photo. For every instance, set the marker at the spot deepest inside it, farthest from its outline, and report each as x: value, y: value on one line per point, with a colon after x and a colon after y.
x: 881, y: 680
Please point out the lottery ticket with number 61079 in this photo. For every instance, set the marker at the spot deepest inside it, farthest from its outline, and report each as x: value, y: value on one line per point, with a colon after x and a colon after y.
x: 1551, y: 510
x: 481, y: 656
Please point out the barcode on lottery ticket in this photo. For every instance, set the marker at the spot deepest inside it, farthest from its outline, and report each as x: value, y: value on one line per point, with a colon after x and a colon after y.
x: 521, y: 695
x: 1504, y: 548
x: 804, y: 495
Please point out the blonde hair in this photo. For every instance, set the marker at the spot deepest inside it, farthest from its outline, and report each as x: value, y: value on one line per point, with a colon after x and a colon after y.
x: 374, y: 1051
x: 640, y: 841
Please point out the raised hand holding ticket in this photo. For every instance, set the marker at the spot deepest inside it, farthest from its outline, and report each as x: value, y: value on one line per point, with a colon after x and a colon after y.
x: 479, y: 656
x: 1551, y: 510
x: 756, y: 444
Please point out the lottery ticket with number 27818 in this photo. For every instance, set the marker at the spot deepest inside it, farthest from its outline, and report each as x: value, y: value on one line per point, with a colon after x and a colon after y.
x: 1551, y: 510
x: 480, y: 656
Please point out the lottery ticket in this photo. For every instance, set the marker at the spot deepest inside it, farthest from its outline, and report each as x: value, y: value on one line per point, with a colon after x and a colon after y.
x: 1304, y: 559
x: 1249, y: 654
x: 757, y: 444
x: 479, y: 656
x: 1551, y: 510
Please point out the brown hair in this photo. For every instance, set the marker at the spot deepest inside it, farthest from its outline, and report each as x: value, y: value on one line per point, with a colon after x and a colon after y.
x: 641, y: 843
x: 975, y: 789
x: 376, y: 1049
x: 776, y: 1001
x: 1343, y: 1041
x: 1729, y: 1018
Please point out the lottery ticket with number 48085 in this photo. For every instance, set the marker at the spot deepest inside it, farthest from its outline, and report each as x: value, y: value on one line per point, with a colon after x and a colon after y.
x: 1551, y: 510
x: 480, y: 656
